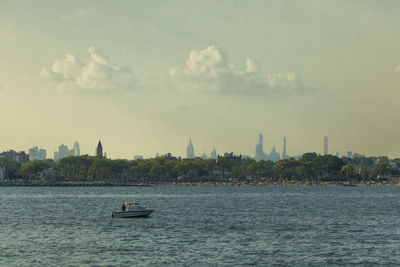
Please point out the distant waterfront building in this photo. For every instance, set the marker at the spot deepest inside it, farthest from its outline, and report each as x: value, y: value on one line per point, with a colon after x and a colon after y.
x: 190, y: 150
x: 136, y: 157
x: 34, y: 153
x: 62, y: 152
x: 99, y: 150
x: 260, y: 155
x: 284, y: 154
x: 325, y: 145
x: 42, y: 154
x: 11, y: 155
x: 204, y: 156
x: 235, y: 159
x: 37, y: 154
x: 77, y: 150
x: 349, y: 154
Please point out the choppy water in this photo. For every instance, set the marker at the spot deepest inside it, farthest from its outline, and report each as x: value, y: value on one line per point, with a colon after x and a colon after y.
x: 201, y: 226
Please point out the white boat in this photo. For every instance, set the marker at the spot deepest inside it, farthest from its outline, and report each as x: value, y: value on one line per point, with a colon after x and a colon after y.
x: 131, y: 210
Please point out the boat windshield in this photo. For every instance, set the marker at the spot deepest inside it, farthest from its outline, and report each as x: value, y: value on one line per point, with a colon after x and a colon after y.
x: 130, y: 205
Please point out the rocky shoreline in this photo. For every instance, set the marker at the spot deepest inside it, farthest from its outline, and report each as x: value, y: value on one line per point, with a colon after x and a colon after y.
x: 238, y: 183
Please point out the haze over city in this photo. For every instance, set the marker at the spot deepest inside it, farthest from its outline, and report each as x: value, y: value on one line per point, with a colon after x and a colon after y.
x: 145, y: 76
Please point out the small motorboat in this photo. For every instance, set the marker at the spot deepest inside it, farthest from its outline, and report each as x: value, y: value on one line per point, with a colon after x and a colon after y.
x: 131, y: 210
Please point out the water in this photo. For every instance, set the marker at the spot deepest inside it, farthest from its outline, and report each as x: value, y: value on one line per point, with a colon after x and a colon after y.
x: 201, y: 226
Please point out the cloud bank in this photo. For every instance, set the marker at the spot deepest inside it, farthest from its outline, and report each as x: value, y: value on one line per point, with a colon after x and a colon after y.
x: 96, y: 75
x: 209, y: 69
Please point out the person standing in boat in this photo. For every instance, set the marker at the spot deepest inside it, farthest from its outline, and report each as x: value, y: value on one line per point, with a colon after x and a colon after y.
x: 123, y: 208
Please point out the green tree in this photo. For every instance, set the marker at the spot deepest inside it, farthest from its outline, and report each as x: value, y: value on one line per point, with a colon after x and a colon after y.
x: 380, y: 169
x: 287, y: 168
x: 33, y: 169
x: 347, y: 169
x: 101, y: 169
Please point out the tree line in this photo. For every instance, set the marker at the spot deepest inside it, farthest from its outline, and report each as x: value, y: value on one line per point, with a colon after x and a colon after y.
x: 310, y: 166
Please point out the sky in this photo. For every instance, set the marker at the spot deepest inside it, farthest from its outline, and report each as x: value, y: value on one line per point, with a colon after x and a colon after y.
x: 145, y: 76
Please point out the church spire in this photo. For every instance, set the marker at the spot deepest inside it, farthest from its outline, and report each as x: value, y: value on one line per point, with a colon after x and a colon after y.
x: 99, y: 150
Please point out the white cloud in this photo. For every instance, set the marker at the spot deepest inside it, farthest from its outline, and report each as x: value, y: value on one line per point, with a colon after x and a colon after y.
x: 96, y: 75
x: 209, y: 69
x: 397, y: 69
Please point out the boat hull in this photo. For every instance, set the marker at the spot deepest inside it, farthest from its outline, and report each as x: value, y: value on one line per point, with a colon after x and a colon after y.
x: 131, y: 214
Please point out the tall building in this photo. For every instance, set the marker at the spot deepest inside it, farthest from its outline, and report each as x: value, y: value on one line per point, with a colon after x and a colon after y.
x: 34, y: 153
x: 325, y: 145
x: 190, y: 150
x: 260, y: 155
x: 42, y: 154
x: 99, y: 150
x: 77, y: 150
x: 274, y: 156
x: 56, y: 156
x: 284, y: 154
x: 63, y: 151
x: 213, y: 154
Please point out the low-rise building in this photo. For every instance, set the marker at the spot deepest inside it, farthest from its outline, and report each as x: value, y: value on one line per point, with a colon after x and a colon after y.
x: 11, y: 155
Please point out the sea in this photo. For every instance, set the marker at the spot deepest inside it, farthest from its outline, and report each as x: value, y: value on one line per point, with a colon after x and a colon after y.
x: 201, y: 226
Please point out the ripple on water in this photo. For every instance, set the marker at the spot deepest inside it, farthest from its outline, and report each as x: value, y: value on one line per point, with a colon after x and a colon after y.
x: 201, y: 226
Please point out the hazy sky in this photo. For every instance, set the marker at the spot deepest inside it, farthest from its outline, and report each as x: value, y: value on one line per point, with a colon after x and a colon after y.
x: 143, y: 76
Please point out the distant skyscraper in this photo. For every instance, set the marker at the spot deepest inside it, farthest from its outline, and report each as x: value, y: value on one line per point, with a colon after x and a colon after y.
x: 77, y: 150
x: 190, y: 150
x: 34, y: 153
x: 260, y: 155
x: 274, y: 156
x: 284, y: 155
x: 99, y: 150
x: 42, y: 154
x: 213, y: 154
x: 325, y: 145
x: 63, y: 151
x: 56, y: 156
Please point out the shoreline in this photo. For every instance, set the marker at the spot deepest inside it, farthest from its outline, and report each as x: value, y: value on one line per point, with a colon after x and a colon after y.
x: 40, y: 183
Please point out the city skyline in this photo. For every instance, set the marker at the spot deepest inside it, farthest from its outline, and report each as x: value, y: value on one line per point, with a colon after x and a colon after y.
x: 63, y: 151
x: 146, y: 75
